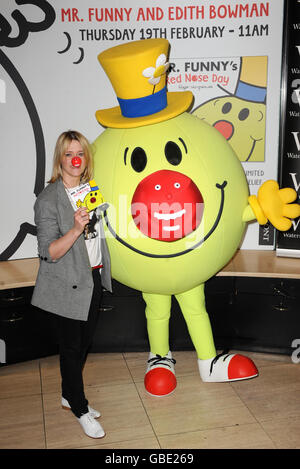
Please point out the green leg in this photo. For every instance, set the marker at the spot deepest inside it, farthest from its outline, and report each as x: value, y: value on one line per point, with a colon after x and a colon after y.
x: 158, y: 310
x: 192, y: 304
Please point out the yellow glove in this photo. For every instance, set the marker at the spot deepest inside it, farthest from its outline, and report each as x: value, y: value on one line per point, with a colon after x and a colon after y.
x: 273, y: 204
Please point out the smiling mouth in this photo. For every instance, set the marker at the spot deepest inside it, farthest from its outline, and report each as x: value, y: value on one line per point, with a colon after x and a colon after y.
x: 170, y: 216
x: 174, y: 215
x: 252, y: 148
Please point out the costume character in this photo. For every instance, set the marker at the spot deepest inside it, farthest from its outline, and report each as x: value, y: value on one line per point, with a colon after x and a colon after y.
x: 179, y: 205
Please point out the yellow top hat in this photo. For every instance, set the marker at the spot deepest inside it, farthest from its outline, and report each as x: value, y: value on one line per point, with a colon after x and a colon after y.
x: 137, y: 71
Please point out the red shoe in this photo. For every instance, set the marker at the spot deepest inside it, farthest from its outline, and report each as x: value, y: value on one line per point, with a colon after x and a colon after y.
x: 226, y: 367
x: 160, y: 377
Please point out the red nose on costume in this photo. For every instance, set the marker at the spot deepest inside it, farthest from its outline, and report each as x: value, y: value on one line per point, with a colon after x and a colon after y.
x: 167, y: 205
x: 225, y: 128
x: 76, y: 162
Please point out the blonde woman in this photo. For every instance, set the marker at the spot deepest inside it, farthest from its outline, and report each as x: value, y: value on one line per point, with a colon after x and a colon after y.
x: 73, y: 269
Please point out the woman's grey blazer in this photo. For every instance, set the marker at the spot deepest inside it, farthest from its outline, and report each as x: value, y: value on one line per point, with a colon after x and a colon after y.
x: 64, y: 286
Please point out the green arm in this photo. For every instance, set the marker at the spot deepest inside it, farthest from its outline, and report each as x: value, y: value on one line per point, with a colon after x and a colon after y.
x: 248, y: 214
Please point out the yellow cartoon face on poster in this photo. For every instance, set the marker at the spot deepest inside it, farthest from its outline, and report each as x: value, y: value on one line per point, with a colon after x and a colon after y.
x: 241, y: 117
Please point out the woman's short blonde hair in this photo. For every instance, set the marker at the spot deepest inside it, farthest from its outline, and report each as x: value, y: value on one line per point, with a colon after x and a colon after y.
x: 61, y: 146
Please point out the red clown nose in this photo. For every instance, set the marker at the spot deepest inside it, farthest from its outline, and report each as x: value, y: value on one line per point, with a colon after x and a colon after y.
x: 76, y: 162
x: 167, y: 205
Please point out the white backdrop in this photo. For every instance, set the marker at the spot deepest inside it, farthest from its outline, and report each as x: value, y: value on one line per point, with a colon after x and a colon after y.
x: 51, y: 80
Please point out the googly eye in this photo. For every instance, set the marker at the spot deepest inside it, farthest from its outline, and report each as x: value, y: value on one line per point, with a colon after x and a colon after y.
x: 157, y: 187
x: 176, y: 185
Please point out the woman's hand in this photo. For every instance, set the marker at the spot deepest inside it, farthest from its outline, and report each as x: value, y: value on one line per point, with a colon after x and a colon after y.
x: 81, y: 219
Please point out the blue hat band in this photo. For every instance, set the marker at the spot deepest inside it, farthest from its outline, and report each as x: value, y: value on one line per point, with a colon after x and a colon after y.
x: 251, y: 92
x: 140, y: 107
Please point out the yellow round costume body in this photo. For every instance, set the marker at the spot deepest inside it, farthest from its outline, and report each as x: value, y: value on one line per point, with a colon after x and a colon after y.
x: 171, y: 265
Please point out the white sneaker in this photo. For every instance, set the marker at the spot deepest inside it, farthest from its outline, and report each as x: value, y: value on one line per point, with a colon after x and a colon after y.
x: 227, y: 367
x: 94, y: 413
x: 160, y: 379
x: 90, y: 426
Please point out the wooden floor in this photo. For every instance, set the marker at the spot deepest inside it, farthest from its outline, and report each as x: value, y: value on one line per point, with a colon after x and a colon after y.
x: 260, y: 413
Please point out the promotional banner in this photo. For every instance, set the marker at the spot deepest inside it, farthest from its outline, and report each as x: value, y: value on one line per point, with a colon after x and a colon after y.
x: 288, y: 243
x: 227, y: 53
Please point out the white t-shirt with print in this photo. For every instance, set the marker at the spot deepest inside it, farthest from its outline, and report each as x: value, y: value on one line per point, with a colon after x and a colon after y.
x: 92, y: 239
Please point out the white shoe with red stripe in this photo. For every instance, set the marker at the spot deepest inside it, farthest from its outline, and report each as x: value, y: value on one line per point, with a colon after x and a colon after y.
x: 225, y: 367
x: 160, y: 377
